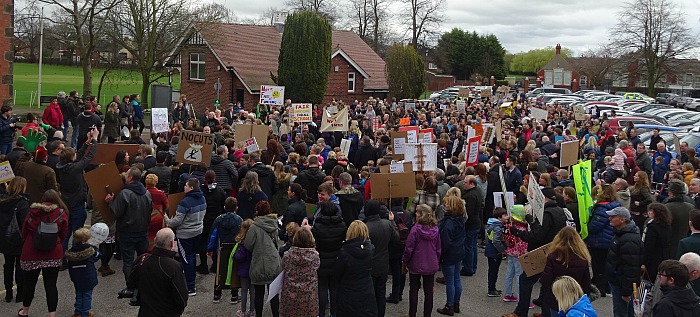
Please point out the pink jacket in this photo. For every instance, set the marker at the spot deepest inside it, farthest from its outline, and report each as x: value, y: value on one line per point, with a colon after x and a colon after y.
x: 618, y: 160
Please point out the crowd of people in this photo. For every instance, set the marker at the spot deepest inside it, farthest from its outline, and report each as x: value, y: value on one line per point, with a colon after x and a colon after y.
x: 304, y: 207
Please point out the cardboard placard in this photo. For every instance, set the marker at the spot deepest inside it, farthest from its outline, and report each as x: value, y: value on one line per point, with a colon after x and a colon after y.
x: 396, y: 168
x: 489, y: 133
x: 486, y: 92
x: 159, y: 120
x: 393, y: 185
x: 97, y: 181
x: 569, y: 153
x: 105, y: 153
x: 6, y: 173
x: 579, y: 113
x: 536, y: 198
x: 426, y: 136
x: 222, y: 257
x: 195, y: 147
x: 386, y: 169
x: 499, y: 131
x: 534, y: 261
x: 173, y: 201
x: 538, y: 114
x: 676, y: 144
x: 247, y: 131
x: 251, y: 145
x: 463, y: 93
x: 461, y: 106
x: 473, y: 151
x: 302, y: 112
x: 335, y: 122
x: 401, y: 136
x: 478, y: 129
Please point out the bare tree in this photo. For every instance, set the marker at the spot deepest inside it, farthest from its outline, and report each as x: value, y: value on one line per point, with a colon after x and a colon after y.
x: 379, y: 16
x: 27, y: 30
x: 596, y: 64
x: 359, y: 16
x: 655, y: 32
x: 85, y: 19
x: 213, y: 12
x: 324, y: 8
x: 423, y: 16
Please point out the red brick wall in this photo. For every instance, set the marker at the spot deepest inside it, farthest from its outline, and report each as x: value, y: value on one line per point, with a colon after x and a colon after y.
x: 337, y: 86
x: 6, y: 23
x: 201, y: 93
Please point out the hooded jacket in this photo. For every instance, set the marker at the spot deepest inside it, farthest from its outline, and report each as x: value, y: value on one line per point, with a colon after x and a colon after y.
x: 494, y: 245
x: 678, y: 302
x: 452, y: 236
x: 423, y: 250
x: 680, y: 215
x: 7, y: 133
x: 226, y: 172
x: 353, y: 272
x: 543, y: 232
x: 70, y: 175
x: 53, y: 116
x: 266, y: 178
x: 382, y: 232
x: 261, y: 240
x: 132, y: 208
x: 189, y: 217
x: 40, y: 178
x: 600, y: 232
x: 32, y: 258
x: 351, y: 202
x: 81, y: 266
x: 310, y: 179
x: 17, y: 207
x: 624, y: 260
x: 582, y: 308
x: 623, y: 196
x: 657, y: 245
x: 296, y: 212
x: 160, y: 280
x: 329, y: 233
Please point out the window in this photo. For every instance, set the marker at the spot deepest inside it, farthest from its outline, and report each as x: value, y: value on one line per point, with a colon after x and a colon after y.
x: 432, y: 66
x: 688, y: 80
x: 351, y: 82
x: 558, y: 76
x: 583, y: 81
x: 197, y: 66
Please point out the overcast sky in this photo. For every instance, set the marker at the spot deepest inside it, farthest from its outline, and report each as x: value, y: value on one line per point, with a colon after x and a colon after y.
x: 519, y: 25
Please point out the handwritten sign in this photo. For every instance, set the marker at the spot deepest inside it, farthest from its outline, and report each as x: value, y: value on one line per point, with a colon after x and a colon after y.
x: 345, y: 147
x: 159, y: 120
x: 332, y: 109
x: 272, y: 95
x: 375, y: 124
x: 498, y: 199
x: 404, y: 121
x: 538, y: 114
x: 6, y: 173
x: 247, y: 131
x: 195, y: 147
x: 399, y: 145
x: 426, y: 136
x: 251, y: 145
x: 396, y: 168
x: 534, y: 261
x: 422, y: 155
x: 535, y: 197
x: 579, y: 113
x: 473, y: 151
x: 463, y: 93
x: 461, y: 106
x: 489, y: 133
x: 335, y: 122
x: 302, y: 112
x: 411, y: 133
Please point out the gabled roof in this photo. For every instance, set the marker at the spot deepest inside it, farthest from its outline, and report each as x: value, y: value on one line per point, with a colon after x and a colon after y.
x: 252, y: 52
x: 558, y: 61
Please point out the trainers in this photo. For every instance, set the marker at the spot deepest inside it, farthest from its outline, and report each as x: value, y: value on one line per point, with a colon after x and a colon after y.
x: 235, y: 300
x: 217, y: 298
x: 493, y: 294
x: 532, y: 306
x: 192, y: 292
x: 510, y: 299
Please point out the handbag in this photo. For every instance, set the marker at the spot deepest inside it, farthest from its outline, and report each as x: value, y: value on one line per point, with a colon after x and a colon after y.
x: 12, y: 235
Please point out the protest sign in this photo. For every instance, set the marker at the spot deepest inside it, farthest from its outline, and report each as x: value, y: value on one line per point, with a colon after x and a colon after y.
x: 504, y: 188
x: 225, y: 272
x: 443, y: 106
x: 195, y: 147
x: 499, y: 131
x: 335, y: 122
x: 251, y: 145
x: 332, y: 109
x: 422, y: 155
x: 473, y: 151
x: 100, y: 181
x: 271, y: 95
x: 410, y: 105
x: 105, y: 153
x: 173, y: 201
x: 386, y: 169
x: 397, y: 185
x: 275, y: 287
x: 470, y: 132
x: 396, y: 168
x: 501, y: 201
x: 247, y: 131
x: 398, y: 143
x: 302, y: 112
x: 676, y: 144
x: 404, y: 121
x: 534, y: 261
x: 463, y: 93
x: 583, y: 182
x: 461, y: 106
x: 478, y: 129
x: 489, y: 133
x: 345, y: 147
x: 425, y: 136
x: 535, y: 197
x: 375, y: 124
x: 6, y: 173
x: 412, y: 133
x: 569, y: 153
x: 159, y: 120
x: 485, y: 92
x: 579, y: 113
x: 538, y: 114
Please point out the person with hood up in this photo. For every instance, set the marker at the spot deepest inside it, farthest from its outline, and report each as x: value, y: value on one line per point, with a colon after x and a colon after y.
x: 311, y: 178
x: 224, y: 230
x: 300, y: 284
x: 631, y: 169
x: 53, y: 115
x: 81, y: 267
x: 678, y: 300
x: 349, y: 198
x: 600, y: 233
x: 382, y: 232
x: 329, y: 232
x: 623, y: 193
x: 13, y: 204
x: 515, y: 247
x: 572, y: 301
x: 624, y: 260
x: 87, y: 121
x: 215, y: 198
x: 421, y: 259
x: 261, y: 241
x: 452, y: 234
x: 353, y: 271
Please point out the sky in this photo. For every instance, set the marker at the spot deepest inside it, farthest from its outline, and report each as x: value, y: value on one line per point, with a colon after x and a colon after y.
x: 519, y: 25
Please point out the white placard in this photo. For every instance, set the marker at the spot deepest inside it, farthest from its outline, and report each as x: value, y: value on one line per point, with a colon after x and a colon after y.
x: 272, y: 95
x: 302, y: 112
x: 396, y: 168
x: 535, y: 197
x: 275, y: 287
x: 6, y: 173
x: 251, y: 145
x: 498, y: 198
x: 399, y: 146
x: 461, y: 106
x: 411, y: 136
x: 159, y: 120
x: 470, y: 132
x: 443, y: 106
x: 423, y: 156
x: 579, y: 113
x: 345, y: 147
x: 425, y: 137
x: 332, y: 109
x: 446, y: 162
x: 538, y: 114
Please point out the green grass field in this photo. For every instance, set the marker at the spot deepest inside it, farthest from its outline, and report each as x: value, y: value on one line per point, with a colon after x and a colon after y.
x: 67, y: 78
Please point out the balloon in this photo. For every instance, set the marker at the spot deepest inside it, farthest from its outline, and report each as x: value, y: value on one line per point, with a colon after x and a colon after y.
x: 99, y: 233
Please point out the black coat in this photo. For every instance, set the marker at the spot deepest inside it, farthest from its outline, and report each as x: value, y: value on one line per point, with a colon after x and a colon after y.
x: 160, y: 281
x: 657, y: 246
x: 382, y: 232
x: 296, y: 212
x: 541, y: 233
x: 164, y: 174
x: 215, y: 198
x: 350, y: 205
x: 624, y: 260
x: 353, y: 271
x: 18, y: 207
x: 577, y: 268
x: 493, y: 184
x: 310, y: 179
x: 472, y: 200
x: 678, y: 302
x: 266, y: 177
x: 73, y: 188
x: 365, y: 153
x: 329, y: 233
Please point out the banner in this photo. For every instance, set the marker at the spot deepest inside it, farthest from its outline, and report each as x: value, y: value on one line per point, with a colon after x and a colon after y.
x: 473, y: 151
x: 535, y: 197
x: 336, y: 122
x: 272, y: 95
x: 159, y: 120
x: 583, y: 182
x: 302, y: 112
x: 195, y: 147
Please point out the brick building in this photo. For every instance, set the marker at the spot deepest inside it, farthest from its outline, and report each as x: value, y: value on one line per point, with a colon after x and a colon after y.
x: 559, y: 73
x: 6, y: 48
x: 244, y: 57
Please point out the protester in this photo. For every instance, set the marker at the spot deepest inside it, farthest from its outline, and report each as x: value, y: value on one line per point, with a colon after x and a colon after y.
x: 329, y: 232
x: 452, y: 239
x: 573, y: 302
x: 382, y: 232
x: 215, y: 198
x: 353, y: 272
x: 601, y: 234
x: 243, y: 257
x: 300, y: 284
x: 678, y: 300
x: 81, y: 267
x: 495, y: 248
x: 249, y: 195
x: 160, y: 207
x: 14, y: 208
x: 624, y: 261
x: 265, y: 265
x: 657, y: 240
x: 421, y: 259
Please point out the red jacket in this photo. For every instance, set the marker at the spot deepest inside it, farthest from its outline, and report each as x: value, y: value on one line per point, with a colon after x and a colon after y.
x: 41, y: 212
x: 53, y: 116
x: 30, y: 125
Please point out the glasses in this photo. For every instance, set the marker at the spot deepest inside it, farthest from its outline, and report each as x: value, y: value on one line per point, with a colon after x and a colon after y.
x: 664, y: 275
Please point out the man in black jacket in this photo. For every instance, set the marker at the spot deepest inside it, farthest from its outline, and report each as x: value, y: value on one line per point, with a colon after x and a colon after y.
x: 624, y: 261
x: 472, y: 200
x: 226, y: 172
x: 382, y: 232
x: 163, y: 172
x: 350, y: 199
x: 310, y: 179
x: 86, y: 122
x: 159, y: 279
x: 266, y: 177
x: 679, y: 300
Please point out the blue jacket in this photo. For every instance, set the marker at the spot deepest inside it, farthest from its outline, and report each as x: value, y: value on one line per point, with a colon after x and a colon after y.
x: 6, y: 132
x: 514, y: 180
x: 582, y: 308
x: 666, y: 155
x: 452, y: 236
x: 81, y: 266
x: 247, y: 202
x: 189, y: 218
x: 138, y: 112
x: 600, y: 232
x: 224, y: 229
x: 494, y: 246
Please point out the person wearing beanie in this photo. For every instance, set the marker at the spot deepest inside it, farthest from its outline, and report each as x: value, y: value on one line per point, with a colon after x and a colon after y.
x: 624, y: 261
x: 160, y: 205
x: 382, y: 232
x: 680, y: 212
x: 40, y: 177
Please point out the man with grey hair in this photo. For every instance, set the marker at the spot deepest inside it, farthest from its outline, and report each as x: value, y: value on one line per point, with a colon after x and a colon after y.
x: 542, y: 161
x: 623, y: 192
x: 159, y: 279
x: 442, y: 186
x: 694, y: 191
x: 349, y: 198
x: 226, y: 172
x: 691, y: 260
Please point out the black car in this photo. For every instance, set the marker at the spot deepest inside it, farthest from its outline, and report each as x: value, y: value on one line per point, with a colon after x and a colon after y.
x: 673, y: 102
x: 664, y: 97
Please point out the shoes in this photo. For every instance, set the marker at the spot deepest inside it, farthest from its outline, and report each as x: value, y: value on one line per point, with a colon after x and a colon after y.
x: 464, y: 273
x: 203, y: 269
x: 537, y: 301
x: 493, y: 294
x: 9, y: 295
x: 440, y: 280
x: 532, y: 306
x: 456, y: 308
x: 192, y: 292
x: 234, y: 300
x: 393, y: 300
x: 447, y: 310
x: 510, y: 299
x: 99, y: 270
x: 106, y: 270
x: 217, y: 298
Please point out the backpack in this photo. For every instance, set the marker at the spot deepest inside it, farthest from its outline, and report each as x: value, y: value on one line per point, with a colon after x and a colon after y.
x: 12, y: 237
x: 46, y: 235
x: 401, y: 226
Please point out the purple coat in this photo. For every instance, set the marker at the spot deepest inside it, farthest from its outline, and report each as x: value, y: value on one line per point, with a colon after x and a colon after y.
x: 242, y: 257
x: 423, y: 248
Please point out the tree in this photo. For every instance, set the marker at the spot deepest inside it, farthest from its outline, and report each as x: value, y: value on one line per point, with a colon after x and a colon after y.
x: 405, y: 72
x: 359, y: 15
x: 596, y: 65
x: 532, y: 61
x: 656, y: 32
x: 423, y: 16
x: 27, y: 30
x: 213, y: 12
x: 323, y: 8
x: 305, y: 57
x: 150, y: 31
x: 464, y: 54
x: 87, y: 22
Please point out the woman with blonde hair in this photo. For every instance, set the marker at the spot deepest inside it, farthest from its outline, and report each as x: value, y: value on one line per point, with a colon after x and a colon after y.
x: 531, y: 145
x: 280, y: 199
x: 421, y: 259
x: 112, y: 122
x: 569, y: 256
x: 353, y: 270
x: 452, y: 234
x: 572, y: 301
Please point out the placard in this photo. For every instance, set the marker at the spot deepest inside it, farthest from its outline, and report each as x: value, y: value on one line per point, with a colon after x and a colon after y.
x: 404, y: 121
x: 568, y: 153
x: 173, y: 201
x: 105, y: 153
x: 499, y: 200
x: 489, y: 133
x: 411, y: 133
x: 396, y: 168
x: 271, y: 95
x: 422, y: 155
x: 398, y: 185
x: 275, y: 287
x: 535, y: 197
x: 398, y: 143
x: 676, y: 144
x: 538, y: 114
x: 461, y: 106
x: 375, y: 124
x: 534, y: 261
x: 247, y: 131
x: 463, y: 93
x: 426, y: 136
x: 473, y: 151
x: 195, y: 147
x: 411, y: 105
x: 303, y: 112
x: 478, y: 129
x: 6, y: 173
x: 579, y: 113
x: 335, y: 122
x: 485, y: 92
x: 251, y: 145
x: 97, y: 181
x: 499, y: 131
x: 345, y: 147
x: 159, y: 120
x: 386, y: 169
x: 332, y: 109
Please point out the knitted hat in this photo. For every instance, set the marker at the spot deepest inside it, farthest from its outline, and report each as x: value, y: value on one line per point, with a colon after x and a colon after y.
x: 549, y: 192
x: 676, y: 187
x: 372, y: 207
x: 517, y: 213
x: 151, y: 180
x: 41, y: 154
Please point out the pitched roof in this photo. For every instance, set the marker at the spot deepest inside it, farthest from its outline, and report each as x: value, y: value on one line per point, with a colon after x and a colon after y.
x: 252, y: 52
x: 558, y: 61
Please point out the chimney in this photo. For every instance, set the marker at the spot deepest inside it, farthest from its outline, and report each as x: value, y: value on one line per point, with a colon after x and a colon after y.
x: 558, y: 49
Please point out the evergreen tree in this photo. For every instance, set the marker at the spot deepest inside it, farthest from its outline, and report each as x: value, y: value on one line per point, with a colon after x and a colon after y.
x: 405, y: 72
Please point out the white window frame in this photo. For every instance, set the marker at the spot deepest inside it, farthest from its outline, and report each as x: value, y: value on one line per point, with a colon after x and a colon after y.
x: 199, y: 65
x: 352, y: 81
x: 583, y: 81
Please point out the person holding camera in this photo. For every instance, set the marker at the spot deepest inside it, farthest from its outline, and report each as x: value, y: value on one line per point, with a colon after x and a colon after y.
x: 7, y: 129
x: 88, y: 122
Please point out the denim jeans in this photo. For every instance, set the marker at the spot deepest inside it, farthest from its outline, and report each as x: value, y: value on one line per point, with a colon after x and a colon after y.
x: 76, y: 220
x: 453, y: 283
x: 470, y: 252
x: 83, y: 303
x: 130, y: 245
x: 494, y: 265
x: 188, y: 260
x: 74, y: 137
x: 620, y: 307
x: 513, y: 271
x: 6, y: 148
x: 525, y: 293
x: 379, y: 283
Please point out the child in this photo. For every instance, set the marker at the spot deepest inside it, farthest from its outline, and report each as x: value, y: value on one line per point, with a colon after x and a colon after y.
x: 515, y: 247
x: 224, y: 230
x: 242, y: 257
x: 300, y: 286
x: 659, y: 173
x: 81, y: 267
x: 495, y: 247
x: 291, y: 229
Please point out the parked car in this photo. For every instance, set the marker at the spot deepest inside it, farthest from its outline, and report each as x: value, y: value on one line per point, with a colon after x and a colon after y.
x: 540, y: 90
x: 663, y: 97
x: 619, y: 123
x: 673, y: 102
x: 638, y: 96
x: 683, y: 100
x: 693, y: 105
x: 639, y: 108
